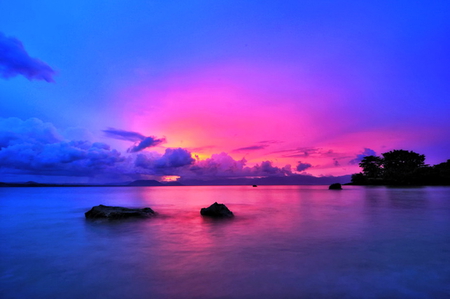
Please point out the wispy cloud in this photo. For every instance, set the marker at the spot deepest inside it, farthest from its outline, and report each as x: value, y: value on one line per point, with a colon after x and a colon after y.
x: 142, y: 142
x: 123, y: 135
x: 299, y: 152
x: 14, y: 61
x: 260, y: 145
x: 251, y: 148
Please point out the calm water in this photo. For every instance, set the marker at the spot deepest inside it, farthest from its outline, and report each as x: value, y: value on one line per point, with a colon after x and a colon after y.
x: 285, y: 242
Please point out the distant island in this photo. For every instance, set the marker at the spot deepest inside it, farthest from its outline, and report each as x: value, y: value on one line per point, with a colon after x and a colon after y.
x: 401, y: 168
x: 125, y: 184
x: 214, y: 181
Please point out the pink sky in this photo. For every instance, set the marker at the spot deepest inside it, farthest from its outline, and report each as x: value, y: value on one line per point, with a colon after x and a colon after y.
x: 280, y: 115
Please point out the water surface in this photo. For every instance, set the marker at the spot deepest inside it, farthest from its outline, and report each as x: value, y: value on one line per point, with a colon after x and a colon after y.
x: 285, y: 242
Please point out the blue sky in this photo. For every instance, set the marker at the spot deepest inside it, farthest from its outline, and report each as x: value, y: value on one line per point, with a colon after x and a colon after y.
x: 293, y: 82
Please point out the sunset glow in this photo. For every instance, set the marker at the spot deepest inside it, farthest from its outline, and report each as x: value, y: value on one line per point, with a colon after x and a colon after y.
x: 302, y: 88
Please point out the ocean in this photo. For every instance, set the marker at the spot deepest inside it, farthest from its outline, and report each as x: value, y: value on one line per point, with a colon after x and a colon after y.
x: 284, y: 242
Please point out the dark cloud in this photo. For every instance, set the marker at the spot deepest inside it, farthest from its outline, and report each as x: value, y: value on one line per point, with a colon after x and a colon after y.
x: 267, y: 169
x: 35, y: 147
x: 123, y: 135
x: 14, y: 60
x: 174, y: 157
x: 336, y: 162
x: 145, y: 143
x: 15, y: 131
x: 365, y: 153
x: 251, y: 148
x: 299, y: 152
x: 142, y: 142
x: 258, y: 146
x: 223, y: 165
x: 302, y: 166
x: 218, y: 165
x: 167, y: 164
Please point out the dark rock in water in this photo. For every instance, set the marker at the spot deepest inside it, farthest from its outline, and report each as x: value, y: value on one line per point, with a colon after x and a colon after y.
x: 216, y: 210
x: 255, y: 185
x: 335, y: 186
x: 109, y: 212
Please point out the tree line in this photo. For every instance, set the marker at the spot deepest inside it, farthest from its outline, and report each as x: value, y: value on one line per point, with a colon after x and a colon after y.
x: 401, y: 167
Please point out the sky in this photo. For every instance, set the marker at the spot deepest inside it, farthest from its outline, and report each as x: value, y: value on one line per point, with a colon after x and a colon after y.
x: 114, y: 90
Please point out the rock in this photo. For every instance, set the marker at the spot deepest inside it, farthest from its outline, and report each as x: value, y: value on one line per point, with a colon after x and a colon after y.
x: 335, y: 186
x: 109, y: 212
x: 217, y: 210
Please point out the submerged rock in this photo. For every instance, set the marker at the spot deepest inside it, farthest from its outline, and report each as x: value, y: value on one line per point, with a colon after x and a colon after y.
x: 109, y: 212
x: 335, y: 186
x: 217, y: 210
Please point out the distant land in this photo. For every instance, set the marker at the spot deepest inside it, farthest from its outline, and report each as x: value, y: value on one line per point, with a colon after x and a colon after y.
x: 288, y: 180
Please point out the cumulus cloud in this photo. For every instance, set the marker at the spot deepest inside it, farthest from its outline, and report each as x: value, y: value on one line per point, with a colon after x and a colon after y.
x: 218, y: 165
x: 14, y: 130
x: 365, y: 153
x: 14, y: 60
x: 36, y: 147
x: 166, y: 164
x: 302, y: 166
x: 223, y: 165
x: 142, y: 142
x: 174, y: 157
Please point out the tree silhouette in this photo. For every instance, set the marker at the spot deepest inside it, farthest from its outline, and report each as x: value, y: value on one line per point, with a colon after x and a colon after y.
x: 400, y: 167
x: 372, y: 167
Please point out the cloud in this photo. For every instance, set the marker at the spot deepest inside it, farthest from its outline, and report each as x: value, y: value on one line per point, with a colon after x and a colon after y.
x: 145, y: 143
x: 167, y: 164
x: 336, y: 162
x: 365, y: 153
x: 223, y: 165
x: 14, y: 130
x: 35, y: 147
x: 123, y: 135
x: 218, y: 165
x: 299, y: 152
x: 142, y: 142
x: 251, y: 148
x: 174, y: 157
x: 258, y: 146
x: 302, y: 166
x: 14, y: 60
x: 267, y: 169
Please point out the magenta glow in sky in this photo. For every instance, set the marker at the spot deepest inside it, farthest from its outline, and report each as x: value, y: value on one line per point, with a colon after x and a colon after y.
x: 311, y: 84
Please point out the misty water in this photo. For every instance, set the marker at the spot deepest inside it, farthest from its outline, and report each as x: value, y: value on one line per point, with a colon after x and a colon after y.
x: 284, y: 242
